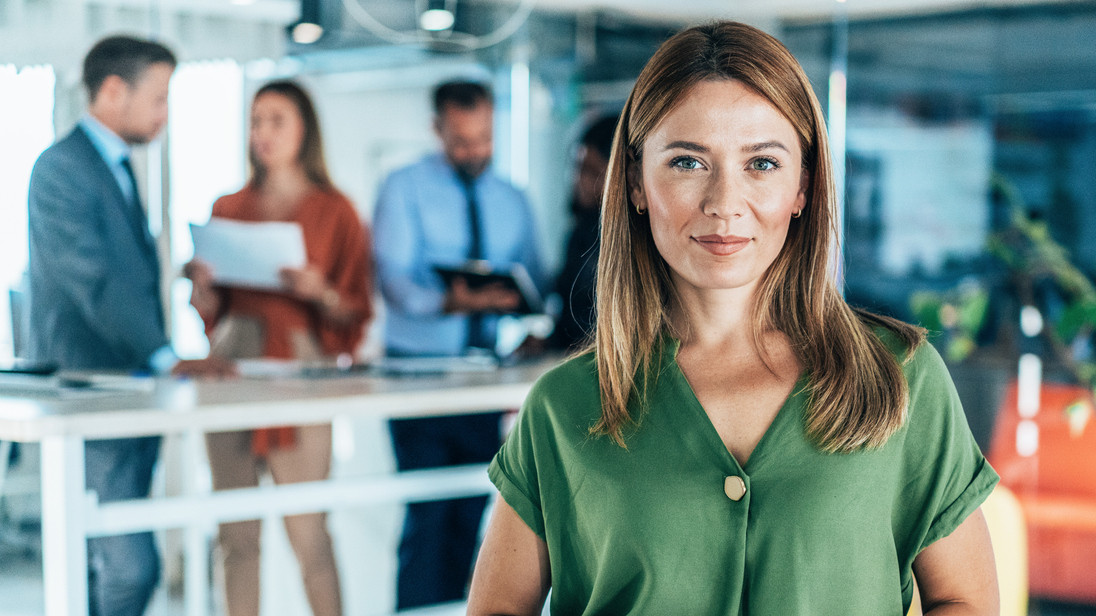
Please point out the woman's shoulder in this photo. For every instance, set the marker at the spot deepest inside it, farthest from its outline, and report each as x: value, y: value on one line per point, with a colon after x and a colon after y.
x: 233, y: 205
x: 932, y: 397
x: 570, y: 386
x: 909, y: 347
x: 576, y: 372
x: 921, y: 363
x: 336, y: 201
x: 898, y: 336
x: 563, y: 404
x: 329, y: 207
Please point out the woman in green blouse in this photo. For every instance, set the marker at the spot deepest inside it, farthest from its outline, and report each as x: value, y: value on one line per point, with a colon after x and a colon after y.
x: 738, y: 440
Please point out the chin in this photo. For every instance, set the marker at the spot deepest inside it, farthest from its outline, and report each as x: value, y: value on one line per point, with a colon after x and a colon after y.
x: 713, y: 281
x: 140, y: 138
x: 472, y: 169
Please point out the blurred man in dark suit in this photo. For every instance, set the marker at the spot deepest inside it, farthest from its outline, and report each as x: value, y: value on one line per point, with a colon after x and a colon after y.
x: 95, y: 285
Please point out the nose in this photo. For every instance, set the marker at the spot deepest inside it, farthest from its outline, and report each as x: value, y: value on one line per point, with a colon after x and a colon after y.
x: 724, y: 196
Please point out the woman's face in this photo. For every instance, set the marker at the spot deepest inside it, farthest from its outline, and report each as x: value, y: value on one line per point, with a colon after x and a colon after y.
x: 721, y: 176
x: 277, y: 130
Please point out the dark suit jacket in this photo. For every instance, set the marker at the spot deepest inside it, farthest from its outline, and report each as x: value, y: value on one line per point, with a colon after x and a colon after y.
x: 94, y: 275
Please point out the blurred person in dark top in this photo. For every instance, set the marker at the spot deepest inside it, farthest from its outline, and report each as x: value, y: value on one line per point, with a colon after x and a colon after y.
x: 575, y: 284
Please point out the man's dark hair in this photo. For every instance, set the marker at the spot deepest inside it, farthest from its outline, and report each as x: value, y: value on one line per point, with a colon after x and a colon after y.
x: 599, y: 135
x: 124, y: 56
x: 463, y: 94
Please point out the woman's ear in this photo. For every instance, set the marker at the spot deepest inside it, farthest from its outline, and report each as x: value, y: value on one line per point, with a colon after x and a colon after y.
x: 804, y: 186
x: 636, y: 193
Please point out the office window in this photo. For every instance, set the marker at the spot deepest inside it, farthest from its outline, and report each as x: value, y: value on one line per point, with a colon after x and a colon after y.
x: 26, y: 128
x: 207, y: 152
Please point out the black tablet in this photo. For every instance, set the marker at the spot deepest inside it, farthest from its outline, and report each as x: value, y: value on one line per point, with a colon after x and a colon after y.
x: 481, y: 273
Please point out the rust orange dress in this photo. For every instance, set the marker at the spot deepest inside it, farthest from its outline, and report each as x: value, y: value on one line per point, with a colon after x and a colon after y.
x: 337, y: 243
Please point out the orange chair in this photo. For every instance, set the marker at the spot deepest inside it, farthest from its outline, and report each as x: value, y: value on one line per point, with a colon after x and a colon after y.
x: 1056, y: 487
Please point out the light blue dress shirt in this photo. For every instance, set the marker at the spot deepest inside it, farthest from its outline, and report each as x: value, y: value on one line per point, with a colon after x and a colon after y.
x: 114, y: 150
x: 421, y: 221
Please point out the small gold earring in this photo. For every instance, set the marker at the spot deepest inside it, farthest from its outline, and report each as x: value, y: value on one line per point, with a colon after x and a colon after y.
x: 797, y: 214
x: 640, y: 211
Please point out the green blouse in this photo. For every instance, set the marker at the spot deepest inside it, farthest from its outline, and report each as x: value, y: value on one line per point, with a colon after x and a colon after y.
x: 651, y: 529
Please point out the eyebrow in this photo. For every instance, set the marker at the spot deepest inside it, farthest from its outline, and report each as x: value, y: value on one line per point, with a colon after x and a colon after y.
x: 686, y: 145
x: 764, y: 145
x: 753, y: 147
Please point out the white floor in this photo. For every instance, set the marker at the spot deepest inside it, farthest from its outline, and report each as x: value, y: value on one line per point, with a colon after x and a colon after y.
x: 365, y: 543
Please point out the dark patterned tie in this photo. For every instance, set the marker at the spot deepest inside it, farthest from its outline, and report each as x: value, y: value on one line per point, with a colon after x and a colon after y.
x: 140, y: 222
x: 137, y: 215
x: 477, y: 338
x: 134, y: 196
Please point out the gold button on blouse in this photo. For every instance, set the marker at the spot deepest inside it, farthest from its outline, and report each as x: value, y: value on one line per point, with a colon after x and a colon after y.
x: 734, y: 487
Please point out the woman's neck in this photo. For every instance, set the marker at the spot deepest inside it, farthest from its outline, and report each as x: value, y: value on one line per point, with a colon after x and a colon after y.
x: 287, y: 179
x: 708, y: 317
x: 282, y: 189
x: 719, y: 326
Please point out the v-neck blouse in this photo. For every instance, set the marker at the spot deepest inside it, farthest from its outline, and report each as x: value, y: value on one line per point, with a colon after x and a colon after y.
x: 649, y: 529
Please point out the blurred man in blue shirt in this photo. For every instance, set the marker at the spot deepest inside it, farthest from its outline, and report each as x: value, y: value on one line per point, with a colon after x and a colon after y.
x: 442, y: 211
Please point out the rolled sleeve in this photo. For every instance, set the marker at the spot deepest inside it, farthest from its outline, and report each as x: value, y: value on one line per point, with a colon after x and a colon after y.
x: 515, y: 495
x: 945, y: 464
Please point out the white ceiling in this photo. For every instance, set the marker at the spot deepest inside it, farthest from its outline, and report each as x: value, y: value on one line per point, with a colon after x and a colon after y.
x: 50, y: 31
x: 771, y: 10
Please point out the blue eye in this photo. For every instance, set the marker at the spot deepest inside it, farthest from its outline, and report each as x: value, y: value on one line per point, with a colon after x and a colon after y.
x: 685, y: 162
x: 763, y: 164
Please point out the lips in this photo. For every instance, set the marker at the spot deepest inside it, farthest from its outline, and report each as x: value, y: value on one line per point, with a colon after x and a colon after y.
x: 722, y: 245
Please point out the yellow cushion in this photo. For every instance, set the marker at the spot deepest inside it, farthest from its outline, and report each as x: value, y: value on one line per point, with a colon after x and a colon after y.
x: 1007, y: 530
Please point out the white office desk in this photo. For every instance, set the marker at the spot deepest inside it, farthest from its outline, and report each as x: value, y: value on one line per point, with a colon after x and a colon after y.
x: 70, y: 515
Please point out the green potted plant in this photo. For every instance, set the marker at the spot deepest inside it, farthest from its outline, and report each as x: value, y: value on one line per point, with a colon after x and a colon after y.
x: 1038, y: 274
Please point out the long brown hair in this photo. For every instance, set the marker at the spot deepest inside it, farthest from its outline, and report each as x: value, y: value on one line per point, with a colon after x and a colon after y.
x: 858, y: 394
x: 311, y: 154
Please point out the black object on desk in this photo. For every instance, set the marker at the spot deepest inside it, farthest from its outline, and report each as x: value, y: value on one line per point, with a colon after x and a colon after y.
x: 25, y: 366
x: 478, y: 274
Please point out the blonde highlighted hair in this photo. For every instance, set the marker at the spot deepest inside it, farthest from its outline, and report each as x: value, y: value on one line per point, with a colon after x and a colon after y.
x: 858, y: 393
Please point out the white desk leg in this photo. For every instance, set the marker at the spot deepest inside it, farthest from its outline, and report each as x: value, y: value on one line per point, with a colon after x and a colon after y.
x: 196, y: 572
x: 195, y: 547
x: 64, y: 541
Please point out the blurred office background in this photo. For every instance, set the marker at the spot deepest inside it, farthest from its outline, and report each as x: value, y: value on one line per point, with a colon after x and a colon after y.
x: 967, y: 132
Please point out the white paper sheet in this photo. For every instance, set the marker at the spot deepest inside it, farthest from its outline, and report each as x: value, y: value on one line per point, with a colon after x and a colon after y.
x: 248, y: 254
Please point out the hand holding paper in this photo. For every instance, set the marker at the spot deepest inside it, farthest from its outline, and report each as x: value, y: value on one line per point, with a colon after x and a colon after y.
x: 203, y: 296
x: 306, y: 283
x: 249, y: 254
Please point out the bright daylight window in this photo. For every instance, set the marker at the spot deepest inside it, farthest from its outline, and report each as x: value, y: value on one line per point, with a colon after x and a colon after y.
x: 26, y: 128
x: 208, y: 159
